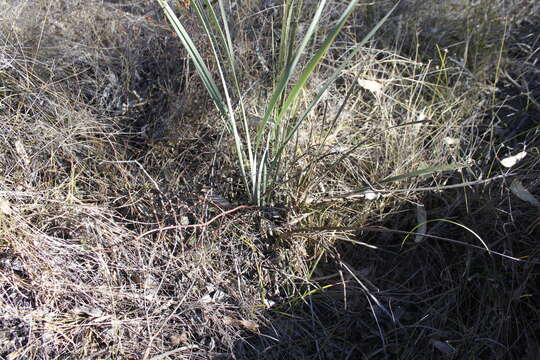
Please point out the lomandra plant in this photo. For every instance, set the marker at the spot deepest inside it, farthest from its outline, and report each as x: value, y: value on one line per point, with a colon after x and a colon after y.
x: 261, y: 149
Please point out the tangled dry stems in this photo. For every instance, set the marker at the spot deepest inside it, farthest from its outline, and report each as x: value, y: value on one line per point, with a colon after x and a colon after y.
x: 93, y: 154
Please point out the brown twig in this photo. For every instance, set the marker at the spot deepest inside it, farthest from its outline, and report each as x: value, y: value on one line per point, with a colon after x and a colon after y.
x: 190, y: 226
x: 361, y: 195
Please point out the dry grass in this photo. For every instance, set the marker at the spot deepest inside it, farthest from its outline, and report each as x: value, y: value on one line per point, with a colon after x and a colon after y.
x: 105, y: 134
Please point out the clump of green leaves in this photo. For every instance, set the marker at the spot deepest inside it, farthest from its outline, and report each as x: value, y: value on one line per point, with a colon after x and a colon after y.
x: 261, y: 150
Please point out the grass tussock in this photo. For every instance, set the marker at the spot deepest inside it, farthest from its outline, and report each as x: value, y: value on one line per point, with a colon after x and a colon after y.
x: 400, y: 222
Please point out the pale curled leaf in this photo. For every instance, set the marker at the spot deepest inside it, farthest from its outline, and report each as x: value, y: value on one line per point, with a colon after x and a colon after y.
x: 510, y: 161
x: 5, y: 207
x: 218, y: 296
x: 269, y: 303
x: 374, y: 86
x: 249, y: 325
x: 206, y: 299
x: 88, y: 310
x: 371, y: 195
x: 227, y: 320
x: 179, y: 339
x: 421, y: 218
x: 521, y: 192
x: 443, y: 347
x: 21, y: 151
x: 451, y: 141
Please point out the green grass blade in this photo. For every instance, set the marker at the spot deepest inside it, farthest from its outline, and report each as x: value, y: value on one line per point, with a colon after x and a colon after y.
x: 422, y: 172
x: 454, y: 223
x: 335, y: 75
x: 287, y: 74
x: 194, y: 54
x: 316, y: 59
x: 222, y: 101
